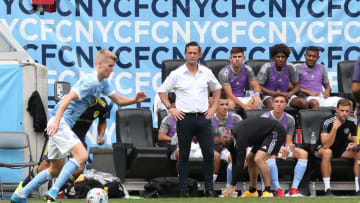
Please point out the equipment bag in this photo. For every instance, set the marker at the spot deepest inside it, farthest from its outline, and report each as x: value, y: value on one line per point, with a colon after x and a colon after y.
x: 168, y: 187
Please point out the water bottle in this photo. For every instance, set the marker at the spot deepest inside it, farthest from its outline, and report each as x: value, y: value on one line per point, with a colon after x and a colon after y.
x: 298, y: 136
x: 313, y: 138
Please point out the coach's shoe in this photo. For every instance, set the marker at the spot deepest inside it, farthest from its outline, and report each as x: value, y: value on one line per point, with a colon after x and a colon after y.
x: 19, y: 187
x: 294, y: 192
x: 17, y: 198
x: 50, y: 195
x: 267, y: 194
x: 247, y: 193
x: 279, y: 193
x: 328, y: 193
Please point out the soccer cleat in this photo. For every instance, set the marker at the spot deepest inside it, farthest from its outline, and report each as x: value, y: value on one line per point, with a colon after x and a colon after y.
x: 267, y: 194
x: 15, y: 198
x: 19, y: 187
x: 279, y: 193
x: 294, y: 192
x: 50, y: 195
x: 329, y: 193
x: 247, y: 193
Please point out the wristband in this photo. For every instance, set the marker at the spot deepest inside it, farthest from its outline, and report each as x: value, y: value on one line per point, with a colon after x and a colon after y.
x: 257, y: 93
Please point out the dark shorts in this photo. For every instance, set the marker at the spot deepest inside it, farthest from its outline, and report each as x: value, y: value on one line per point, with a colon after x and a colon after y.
x: 336, y: 152
x: 272, y: 143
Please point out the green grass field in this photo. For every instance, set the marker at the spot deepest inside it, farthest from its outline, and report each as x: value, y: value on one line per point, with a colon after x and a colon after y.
x: 221, y: 200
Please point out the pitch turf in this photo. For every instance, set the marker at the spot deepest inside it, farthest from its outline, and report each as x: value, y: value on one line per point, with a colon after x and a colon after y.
x: 220, y: 200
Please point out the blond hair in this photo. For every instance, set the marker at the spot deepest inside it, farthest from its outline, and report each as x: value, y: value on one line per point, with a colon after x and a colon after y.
x: 104, y: 55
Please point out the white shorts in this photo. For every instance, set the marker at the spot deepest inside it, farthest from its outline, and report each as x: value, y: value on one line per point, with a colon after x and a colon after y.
x: 224, y: 155
x: 62, y: 142
x: 328, y: 102
x: 244, y: 100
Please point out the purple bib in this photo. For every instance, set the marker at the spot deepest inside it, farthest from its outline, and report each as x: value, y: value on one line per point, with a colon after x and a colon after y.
x: 238, y: 84
x: 311, y: 80
x: 277, y: 82
x: 284, y: 121
x: 229, y: 124
x: 172, y: 130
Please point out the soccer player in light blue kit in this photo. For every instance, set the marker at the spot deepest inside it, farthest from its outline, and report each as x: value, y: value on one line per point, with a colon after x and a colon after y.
x: 62, y: 139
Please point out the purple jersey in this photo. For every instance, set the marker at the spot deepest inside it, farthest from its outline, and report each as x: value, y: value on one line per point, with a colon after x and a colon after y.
x: 278, y: 81
x: 238, y: 83
x: 311, y: 79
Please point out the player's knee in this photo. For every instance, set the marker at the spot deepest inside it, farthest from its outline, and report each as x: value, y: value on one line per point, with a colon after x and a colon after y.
x: 302, y: 154
x: 327, y: 153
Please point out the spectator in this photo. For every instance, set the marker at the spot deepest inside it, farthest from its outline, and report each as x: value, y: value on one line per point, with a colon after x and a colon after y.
x: 191, y: 82
x: 233, y: 79
x: 312, y: 78
x: 333, y: 142
x: 288, y: 149
x: 278, y: 76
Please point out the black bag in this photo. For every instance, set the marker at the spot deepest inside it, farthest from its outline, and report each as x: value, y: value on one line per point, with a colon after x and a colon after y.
x: 82, y: 188
x: 168, y: 187
x: 115, y: 189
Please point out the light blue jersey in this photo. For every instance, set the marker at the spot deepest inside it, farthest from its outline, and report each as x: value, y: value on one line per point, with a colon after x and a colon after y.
x: 88, y: 88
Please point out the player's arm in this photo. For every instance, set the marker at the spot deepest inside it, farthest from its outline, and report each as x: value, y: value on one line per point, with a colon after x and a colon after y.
x: 327, y: 139
x: 228, y: 92
x: 123, y: 101
x: 101, y: 131
x: 327, y: 90
x: 54, y: 125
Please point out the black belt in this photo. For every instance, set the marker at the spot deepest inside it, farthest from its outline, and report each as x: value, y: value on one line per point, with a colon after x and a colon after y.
x: 195, y: 114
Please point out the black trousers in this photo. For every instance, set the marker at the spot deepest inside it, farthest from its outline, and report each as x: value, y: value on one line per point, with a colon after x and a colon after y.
x: 195, y: 125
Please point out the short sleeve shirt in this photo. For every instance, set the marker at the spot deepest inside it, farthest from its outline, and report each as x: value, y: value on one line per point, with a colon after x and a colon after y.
x: 265, y: 70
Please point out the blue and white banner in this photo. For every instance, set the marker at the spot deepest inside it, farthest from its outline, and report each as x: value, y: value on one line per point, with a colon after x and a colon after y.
x: 142, y: 33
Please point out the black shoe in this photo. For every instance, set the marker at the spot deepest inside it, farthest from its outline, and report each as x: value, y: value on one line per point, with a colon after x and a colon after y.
x: 209, y: 193
x: 357, y: 193
x: 328, y: 193
x: 184, y: 194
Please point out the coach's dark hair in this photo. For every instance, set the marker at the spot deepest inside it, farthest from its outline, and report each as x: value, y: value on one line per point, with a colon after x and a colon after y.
x: 236, y: 50
x: 192, y: 44
x: 279, y: 48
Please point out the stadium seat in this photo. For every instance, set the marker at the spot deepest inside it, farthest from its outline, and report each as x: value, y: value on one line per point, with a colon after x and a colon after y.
x: 256, y: 64
x: 134, y: 130
x: 216, y: 65
x: 345, y: 71
x: 310, y: 121
x: 169, y: 65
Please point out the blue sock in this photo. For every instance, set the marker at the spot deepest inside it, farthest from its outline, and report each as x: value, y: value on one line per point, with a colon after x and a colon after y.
x: 273, y: 173
x: 299, y: 171
x: 229, y: 174
x: 66, y: 172
x: 262, y: 183
x: 36, y: 182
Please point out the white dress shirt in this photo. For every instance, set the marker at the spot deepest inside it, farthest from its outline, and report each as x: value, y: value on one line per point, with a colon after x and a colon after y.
x: 191, y: 91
